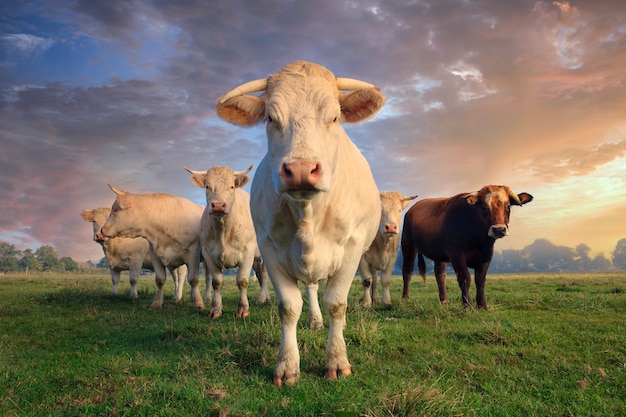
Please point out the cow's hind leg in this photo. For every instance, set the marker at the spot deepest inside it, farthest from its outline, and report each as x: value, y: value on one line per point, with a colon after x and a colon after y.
x: 264, y: 280
x: 216, y: 304
x: 243, y: 309
x: 115, y: 280
x: 480, y: 277
x: 315, y: 313
x: 440, y: 276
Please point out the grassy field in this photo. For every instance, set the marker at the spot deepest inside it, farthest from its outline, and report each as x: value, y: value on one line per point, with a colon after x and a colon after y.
x: 550, y: 345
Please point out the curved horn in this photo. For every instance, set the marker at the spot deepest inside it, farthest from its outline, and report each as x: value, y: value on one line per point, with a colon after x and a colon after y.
x: 193, y: 172
x: 115, y: 190
x: 514, y: 198
x: 237, y: 173
x: 245, y: 88
x: 352, y: 84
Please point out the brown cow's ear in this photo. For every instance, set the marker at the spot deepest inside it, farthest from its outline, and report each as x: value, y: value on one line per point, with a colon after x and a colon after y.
x: 471, y: 198
x: 524, y: 198
x: 361, y: 105
x: 242, y: 110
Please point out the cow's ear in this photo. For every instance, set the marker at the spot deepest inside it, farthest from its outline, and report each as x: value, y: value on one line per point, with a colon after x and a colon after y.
x: 361, y: 105
x: 524, y: 198
x: 242, y: 110
x: 87, y: 215
x: 241, y: 180
x: 471, y: 198
x: 407, y: 200
x: 198, y: 179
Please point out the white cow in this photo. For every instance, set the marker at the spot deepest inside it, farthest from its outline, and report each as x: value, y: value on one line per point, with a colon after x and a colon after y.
x: 227, y: 236
x: 315, y: 204
x: 127, y: 254
x: 172, y: 226
x: 381, y: 256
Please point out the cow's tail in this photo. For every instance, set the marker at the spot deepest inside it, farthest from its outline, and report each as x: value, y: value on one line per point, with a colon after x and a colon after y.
x: 421, y: 266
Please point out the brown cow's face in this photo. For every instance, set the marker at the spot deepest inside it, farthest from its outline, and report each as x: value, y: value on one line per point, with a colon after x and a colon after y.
x: 495, y: 202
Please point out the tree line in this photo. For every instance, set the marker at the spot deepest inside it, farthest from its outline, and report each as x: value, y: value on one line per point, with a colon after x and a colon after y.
x: 540, y: 256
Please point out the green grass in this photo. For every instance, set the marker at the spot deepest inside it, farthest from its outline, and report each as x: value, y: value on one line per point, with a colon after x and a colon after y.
x: 550, y: 345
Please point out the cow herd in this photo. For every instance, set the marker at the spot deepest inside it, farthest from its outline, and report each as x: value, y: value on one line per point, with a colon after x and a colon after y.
x: 316, y: 215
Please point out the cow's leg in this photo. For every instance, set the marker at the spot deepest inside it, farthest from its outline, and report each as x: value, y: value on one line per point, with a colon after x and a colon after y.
x: 193, y: 264
x: 440, y: 276
x: 115, y: 280
x: 159, y: 278
x: 315, y: 313
x: 263, y: 278
x: 217, y: 281
x: 336, y: 302
x: 480, y: 277
x: 289, y: 299
x: 464, y: 278
x: 385, y: 281
x: 366, y: 282
x: 374, y: 273
x: 180, y: 276
x: 133, y: 278
x: 207, y: 282
x: 408, y: 260
x: 243, y: 274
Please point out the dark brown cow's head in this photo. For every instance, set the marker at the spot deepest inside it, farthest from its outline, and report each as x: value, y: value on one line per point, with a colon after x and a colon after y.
x: 496, y: 202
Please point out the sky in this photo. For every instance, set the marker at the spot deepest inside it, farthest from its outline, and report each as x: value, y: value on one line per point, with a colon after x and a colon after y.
x: 529, y: 94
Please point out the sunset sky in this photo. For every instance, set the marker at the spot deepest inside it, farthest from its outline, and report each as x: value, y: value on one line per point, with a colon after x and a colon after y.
x: 530, y: 94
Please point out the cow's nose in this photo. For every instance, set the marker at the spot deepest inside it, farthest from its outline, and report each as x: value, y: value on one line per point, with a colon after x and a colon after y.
x: 300, y: 175
x: 218, y: 207
x: 391, y: 228
x: 498, y: 231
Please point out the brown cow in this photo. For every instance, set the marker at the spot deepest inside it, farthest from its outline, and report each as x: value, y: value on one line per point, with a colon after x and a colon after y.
x: 461, y: 230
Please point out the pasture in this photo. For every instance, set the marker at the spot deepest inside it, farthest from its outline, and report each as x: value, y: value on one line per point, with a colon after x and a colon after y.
x: 550, y: 345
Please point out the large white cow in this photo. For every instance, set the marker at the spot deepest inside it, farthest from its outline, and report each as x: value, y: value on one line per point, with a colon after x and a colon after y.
x: 172, y: 226
x: 127, y: 254
x: 228, y: 237
x: 316, y: 207
x: 382, y: 255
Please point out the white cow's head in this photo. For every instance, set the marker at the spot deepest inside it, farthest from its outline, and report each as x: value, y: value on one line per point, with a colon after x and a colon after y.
x: 123, y: 220
x: 302, y: 106
x: 220, y: 184
x: 495, y: 203
x: 392, y: 204
x: 96, y: 217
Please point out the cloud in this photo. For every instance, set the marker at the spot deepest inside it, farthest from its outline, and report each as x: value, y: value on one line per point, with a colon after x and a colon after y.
x: 25, y: 44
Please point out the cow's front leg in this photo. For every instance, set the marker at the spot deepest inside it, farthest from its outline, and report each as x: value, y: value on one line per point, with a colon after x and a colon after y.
x: 207, y: 282
x: 159, y: 278
x: 193, y: 264
x: 366, y: 281
x: 315, y: 313
x: 216, y: 304
x: 480, y: 277
x: 115, y: 280
x: 374, y: 273
x: 336, y: 302
x: 243, y: 274
x: 385, y: 281
x: 289, y: 300
x: 264, y: 280
x: 133, y: 278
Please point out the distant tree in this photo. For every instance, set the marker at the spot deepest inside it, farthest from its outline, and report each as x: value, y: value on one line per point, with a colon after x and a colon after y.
x: 600, y: 263
x: 29, y: 262
x: 509, y: 260
x: 546, y: 256
x: 103, y: 263
x: 48, y: 258
x: 619, y: 254
x: 8, y: 257
x: 582, y: 259
x: 68, y: 264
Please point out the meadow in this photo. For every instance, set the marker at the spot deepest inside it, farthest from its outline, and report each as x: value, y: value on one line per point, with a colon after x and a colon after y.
x: 550, y: 345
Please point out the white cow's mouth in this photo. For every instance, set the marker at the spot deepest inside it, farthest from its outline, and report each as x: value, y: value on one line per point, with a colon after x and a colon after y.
x: 302, y: 194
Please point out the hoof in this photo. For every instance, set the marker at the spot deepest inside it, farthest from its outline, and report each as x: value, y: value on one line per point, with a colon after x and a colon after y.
x: 243, y: 314
x: 290, y: 380
x: 332, y: 373
x: 215, y: 314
